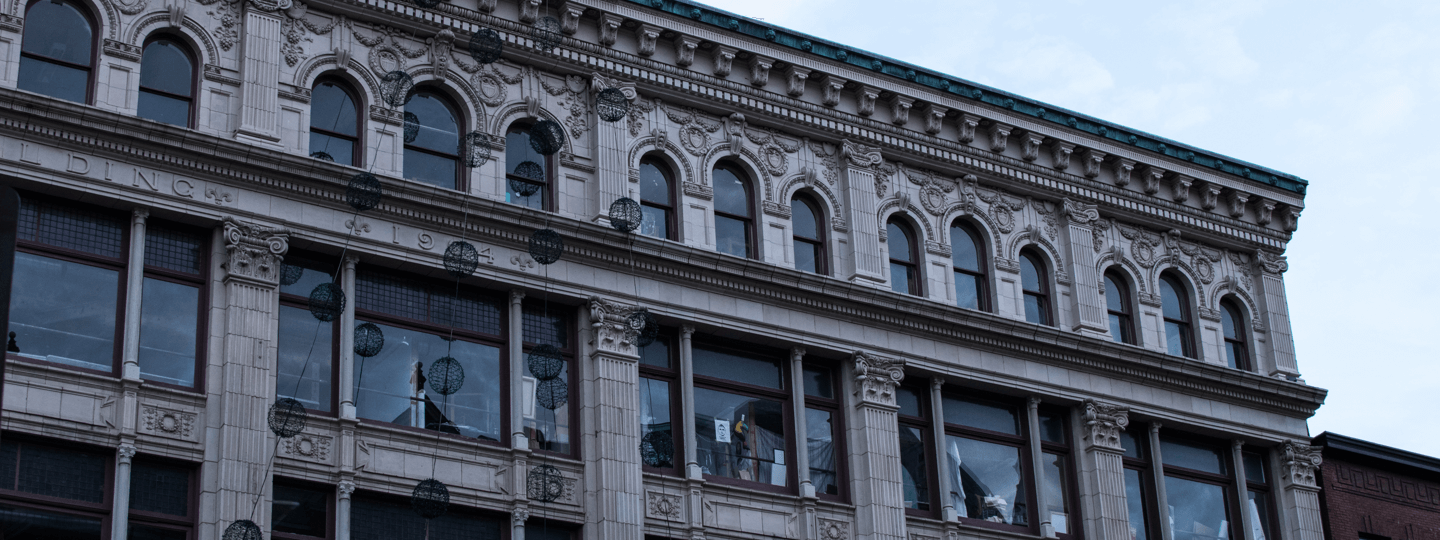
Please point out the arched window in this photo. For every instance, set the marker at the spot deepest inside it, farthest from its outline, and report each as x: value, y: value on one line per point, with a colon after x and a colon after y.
x: 167, y: 82
x: 969, y: 266
x: 335, y: 123
x: 809, y: 235
x: 734, y: 219
x: 1117, y: 304
x: 527, y: 167
x: 433, y: 158
x: 657, y: 199
x: 904, y: 270
x: 58, y: 50
x: 1178, y: 336
x: 1237, y: 355
x: 1035, y: 288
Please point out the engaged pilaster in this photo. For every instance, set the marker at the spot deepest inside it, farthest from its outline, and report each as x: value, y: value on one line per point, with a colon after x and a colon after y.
x: 260, y: 49
x: 1103, y: 481
x: 1300, y: 494
x: 616, y: 462
x: 865, y: 256
x: 1271, y: 268
x: 880, y: 508
x: 1085, y: 303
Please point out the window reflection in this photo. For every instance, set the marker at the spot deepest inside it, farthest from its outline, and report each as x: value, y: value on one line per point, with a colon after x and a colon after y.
x: 1057, y: 491
x: 987, y: 480
x: 56, y: 52
x: 969, y: 270
x: 166, y: 80
x: 655, y: 417
x: 820, y: 446
x: 391, y: 385
x: 740, y: 437
x: 914, y: 474
x: 1197, y: 510
x: 168, y: 330
x: 303, y: 370
x: 1135, y: 505
x: 64, y: 312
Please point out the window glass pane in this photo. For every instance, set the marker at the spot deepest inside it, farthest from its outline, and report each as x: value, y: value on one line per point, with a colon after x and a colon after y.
x: 1057, y: 491
x: 341, y: 150
x: 311, y: 274
x: 1135, y: 505
x: 1175, y: 336
x: 547, y: 429
x: 147, y: 532
x: 802, y: 218
x: 166, y: 67
x: 518, y: 150
x: 430, y: 168
x: 731, y: 237
x: 388, y: 385
x: 1035, y: 309
x: 1254, y: 468
x: 1114, y: 295
x: 915, y: 475
x: 740, y: 436
x: 654, y: 221
x: 807, y: 256
x: 1133, y: 448
x: 987, y: 480
x: 1117, y: 329
x: 1030, y: 273
x: 74, y: 228
x: 1259, y: 507
x: 388, y: 519
x: 901, y: 276
x: 169, y: 322
x: 439, y: 129
x: 536, y: 201
x: 1052, y: 428
x: 66, y: 473
x: 160, y: 108
x: 25, y: 523
x: 401, y: 296
x: 730, y: 193
x: 655, y: 416
x: 160, y: 488
x: 173, y: 249
x: 1197, y: 510
x: 303, y: 371
x: 657, y: 353
x: 540, y: 326
x: 964, y: 250
x: 1191, y: 456
x: 820, y: 446
x: 654, y: 186
x: 64, y: 312
x: 299, y: 510
x: 1227, y: 321
x: 909, y: 402
x: 332, y: 109
x: 818, y: 383
x: 546, y: 531
x: 738, y: 367
x: 981, y: 414
x: 1234, y: 354
x: 967, y: 290
x: 58, y: 30
x: 54, y: 80
x: 898, y: 241
x: 1171, y: 300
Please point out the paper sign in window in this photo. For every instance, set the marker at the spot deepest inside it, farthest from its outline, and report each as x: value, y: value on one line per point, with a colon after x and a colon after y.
x: 722, y: 430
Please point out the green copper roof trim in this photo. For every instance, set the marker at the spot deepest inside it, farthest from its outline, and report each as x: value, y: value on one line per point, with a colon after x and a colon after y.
x: 861, y: 59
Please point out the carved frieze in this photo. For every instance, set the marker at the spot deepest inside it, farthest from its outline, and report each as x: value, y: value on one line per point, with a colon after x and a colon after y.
x: 308, y: 447
x: 877, y: 377
x: 167, y: 422
x: 831, y: 529
x: 664, y: 506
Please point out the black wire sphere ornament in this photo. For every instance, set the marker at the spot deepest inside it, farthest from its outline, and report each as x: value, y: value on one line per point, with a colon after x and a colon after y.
x: 287, y: 417
x: 395, y: 88
x: 552, y: 394
x: 411, y: 127
x: 446, y: 376
x: 475, y: 148
x: 431, y: 499
x: 369, y: 340
x: 657, y: 448
x: 545, y: 362
x: 611, y: 105
x: 290, y: 274
x: 364, y: 192
x: 547, y: 137
x: 531, y: 170
x: 546, y: 246
x: 544, y: 484
x: 625, y: 215
x: 243, y: 529
x: 327, y: 300
x: 646, y: 327
x: 486, y: 46
x: 461, y: 258
x: 546, y: 33
x: 322, y: 156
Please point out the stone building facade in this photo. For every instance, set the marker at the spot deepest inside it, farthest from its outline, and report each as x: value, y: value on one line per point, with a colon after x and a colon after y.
x: 893, y: 304
x: 1375, y: 492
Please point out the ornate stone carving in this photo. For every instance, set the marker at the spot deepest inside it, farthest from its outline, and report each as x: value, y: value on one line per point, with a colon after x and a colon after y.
x: 125, y: 452
x: 795, y: 77
x: 611, y: 326
x: 934, y: 118
x: 999, y: 137
x: 1180, y: 187
x: 968, y: 123
x: 1060, y: 154
x: 529, y: 11
x: 308, y: 447
x: 1236, y: 202
x: 570, y: 18
x: 900, y: 109
x: 760, y: 70
x: 877, y: 377
x: 649, y: 35
x: 1273, y: 263
x: 1150, y: 179
x: 724, y: 58
x: 1093, y: 160
x: 1210, y: 198
x: 1302, y: 461
x: 1290, y: 218
x: 685, y: 50
x: 610, y: 28
x: 866, y: 100
x: 860, y: 155
x: 830, y: 529
x: 833, y: 86
x: 1103, y: 424
x: 1030, y: 148
x: 1079, y: 212
x: 255, y: 252
x: 1264, y: 210
x: 167, y: 423
x: 664, y: 506
x: 1123, y: 168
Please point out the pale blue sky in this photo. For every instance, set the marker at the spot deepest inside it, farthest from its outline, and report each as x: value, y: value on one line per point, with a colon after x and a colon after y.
x: 1337, y: 93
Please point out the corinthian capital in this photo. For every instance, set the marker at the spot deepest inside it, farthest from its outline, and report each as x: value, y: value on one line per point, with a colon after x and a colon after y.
x: 255, y: 252
x: 611, y: 323
x: 1301, y: 463
x: 1081, y: 213
x: 876, y: 378
x: 1103, y: 424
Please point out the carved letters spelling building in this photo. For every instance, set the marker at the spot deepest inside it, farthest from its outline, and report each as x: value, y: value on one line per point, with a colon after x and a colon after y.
x: 864, y: 300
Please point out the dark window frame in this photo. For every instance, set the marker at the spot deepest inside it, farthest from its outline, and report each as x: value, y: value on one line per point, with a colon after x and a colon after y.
x: 358, y: 155
x: 166, y: 520
x: 1043, y: 294
x: 1272, y: 511
x: 200, y: 281
x: 1243, y: 360
x: 927, y: 440
x: 1071, y: 473
x: 1187, y: 327
x: 461, y: 171
x: 1028, y: 475
x: 1226, y: 480
x: 781, y: 395
x: 548, y: 197
x: 983, y: 275
x: 1148, y: 485
x: 330, y: 509
x: 671, y: 211
x: 917, y: 285
x: 820, y: 242
x: 835, y: 406
x: 102, y: 510
x: 671, y: 376
x: 752, y: 248
x: 95, y: 28
x: 188, y: 50
x: 503, y: 519
x: 303, y: 302
x: 570, y: 353
x: 1127, y: 318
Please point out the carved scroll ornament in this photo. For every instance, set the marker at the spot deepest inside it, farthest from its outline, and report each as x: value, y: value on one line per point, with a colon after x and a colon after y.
x: 255, y: 252
x: 877, y: 377
x: 1103, y: 424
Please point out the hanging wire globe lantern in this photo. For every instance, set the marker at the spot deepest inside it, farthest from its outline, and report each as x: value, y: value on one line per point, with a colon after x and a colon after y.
x: 545, y: 362
x: 532, y: 171
x: 475, y: 148
x: 290, y: 274
x: 243, y: 529
x: 364, y: 192
x: 552, y: 394
x: 611, y: 105
x: 547, y: 137
x: 461, y: 259
x: 546, y: 33
x: 327, y: 300
x: 411, y: 127
x: 430, y: 499
x: 546, y: 246
x: 486, y: 46
x: 646, y: 327
x: 446, y: 376
x: 544, y: 484
x: 369, y: 340
x: 322, y: 156
x: 657, y: 448
x: 625, y: 214
x: 395, y: 88
x: 287, y: 417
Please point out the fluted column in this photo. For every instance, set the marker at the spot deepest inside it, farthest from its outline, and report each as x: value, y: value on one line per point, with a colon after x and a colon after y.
x: 1103, y: 472
x: 615, y: 464
x: 120, y: 512
x: 880, y: 496
x: 343, y: 490
x: 1086, y: 304
x: 1300, y: 495
x: 134, y: 293
x: 611, y: 149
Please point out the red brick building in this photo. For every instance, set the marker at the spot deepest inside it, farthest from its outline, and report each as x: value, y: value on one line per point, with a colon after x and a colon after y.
x: 1375, y: 492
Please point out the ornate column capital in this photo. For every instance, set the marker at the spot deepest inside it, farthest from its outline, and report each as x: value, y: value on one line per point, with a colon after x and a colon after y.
x: 345, y: 488
x: 876, y: 378
x: 516, y: 296
x: 1080, y: 213
x: 687, y: 330
x: 255, y: 252
x: 125, y: 453
x: 350, y: 260
x: 797, y: 353
x: 1301, y: 462
x: 859, y: 155
x: 139, y: 215
x: 1271, y: 263
x: 611, y: 323
x: 1103, y: 424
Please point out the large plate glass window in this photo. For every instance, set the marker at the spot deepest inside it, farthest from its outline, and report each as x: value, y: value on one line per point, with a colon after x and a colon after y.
x: 53, y: 491
x: 742, y: 415
x: 658, y: 406
x: 171, y: 308
x: 1199, y: 487
x: 161, y: 495
x: 306, y: 346
x: 987, y: 458
x: 916, y: 456
x: 550, y: 431
x: 824, y: 443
